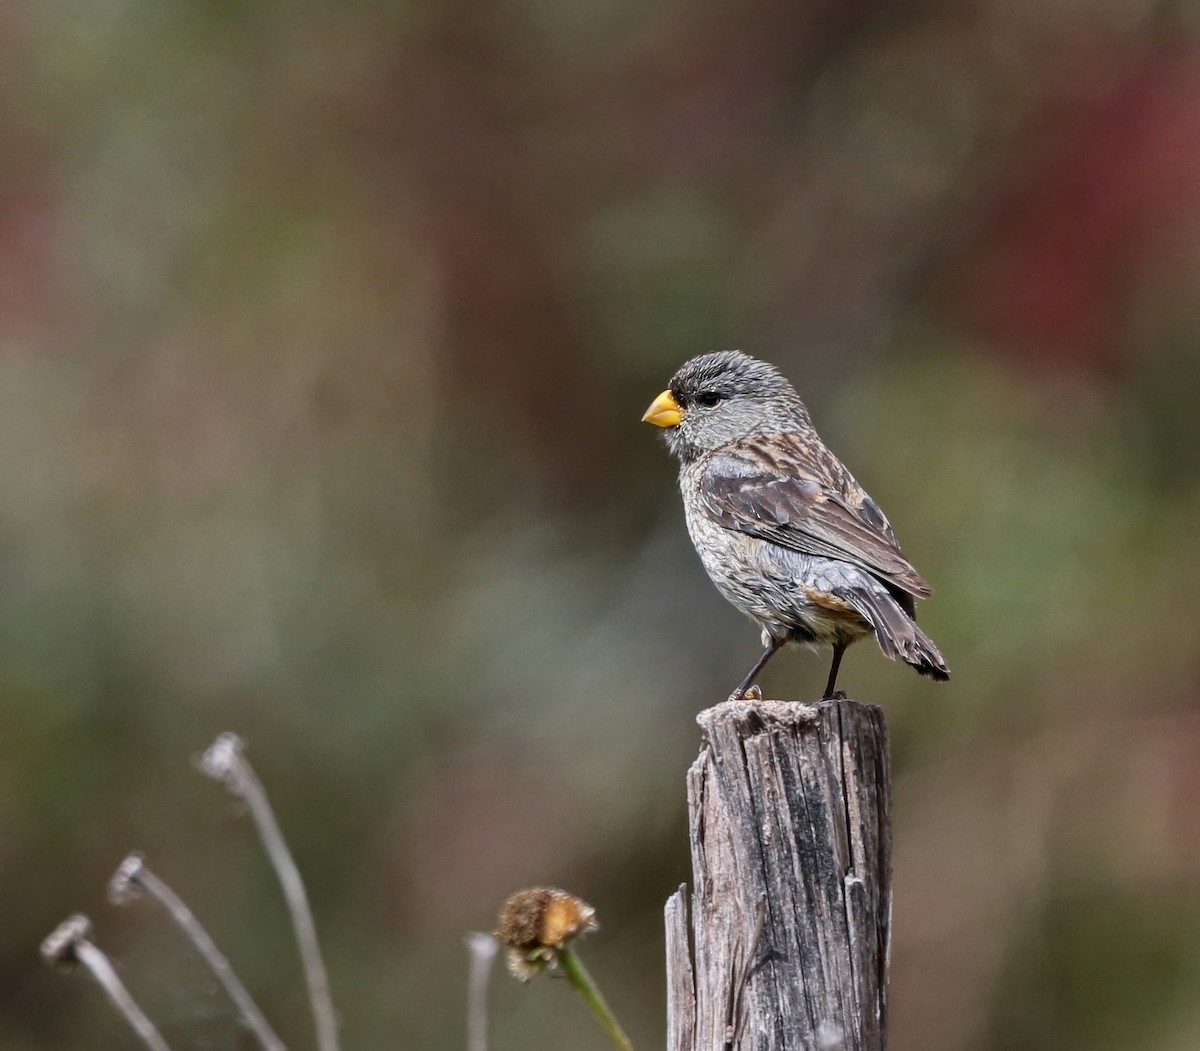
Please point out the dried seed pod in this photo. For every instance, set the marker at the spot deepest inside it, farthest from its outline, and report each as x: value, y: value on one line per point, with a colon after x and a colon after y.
x: 59, y: 949
x: 124, y: 886
x: 536, y: 924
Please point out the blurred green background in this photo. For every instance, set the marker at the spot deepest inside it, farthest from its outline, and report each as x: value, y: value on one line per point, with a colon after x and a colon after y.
x: 324, y: 334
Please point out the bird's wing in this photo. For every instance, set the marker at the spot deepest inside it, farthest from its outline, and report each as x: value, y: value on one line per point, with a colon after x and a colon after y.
x: 790, y: 490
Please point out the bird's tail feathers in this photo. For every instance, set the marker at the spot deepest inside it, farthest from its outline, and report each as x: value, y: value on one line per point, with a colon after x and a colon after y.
x: 898, y: 634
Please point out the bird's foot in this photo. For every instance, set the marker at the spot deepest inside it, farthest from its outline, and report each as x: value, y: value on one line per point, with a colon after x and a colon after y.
x: 837, y: 695
x: 750, y: 693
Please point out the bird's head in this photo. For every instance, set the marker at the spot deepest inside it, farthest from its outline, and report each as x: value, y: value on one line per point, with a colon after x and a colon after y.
x: 718, y: 398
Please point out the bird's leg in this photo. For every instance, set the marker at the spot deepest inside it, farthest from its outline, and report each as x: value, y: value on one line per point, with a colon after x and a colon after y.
x: 759, y: 664
x: 838, y: 649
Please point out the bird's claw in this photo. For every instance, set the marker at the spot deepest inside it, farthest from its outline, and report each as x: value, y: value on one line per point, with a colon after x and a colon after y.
x: 751, y: 693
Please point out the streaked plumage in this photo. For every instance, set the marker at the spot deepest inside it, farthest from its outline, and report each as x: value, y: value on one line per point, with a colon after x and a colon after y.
x: 783, y: 529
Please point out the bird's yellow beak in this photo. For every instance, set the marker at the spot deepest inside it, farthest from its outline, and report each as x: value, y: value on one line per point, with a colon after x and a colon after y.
x: 664, y: 411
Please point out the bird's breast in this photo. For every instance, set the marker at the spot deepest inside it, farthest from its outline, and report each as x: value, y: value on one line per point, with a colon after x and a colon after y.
x: 783, y: 590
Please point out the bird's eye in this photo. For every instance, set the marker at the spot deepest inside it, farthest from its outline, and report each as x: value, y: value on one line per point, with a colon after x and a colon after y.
x: 708, y: 398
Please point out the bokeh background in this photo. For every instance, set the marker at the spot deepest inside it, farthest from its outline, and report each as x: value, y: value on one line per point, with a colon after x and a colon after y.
x: 324, y: 334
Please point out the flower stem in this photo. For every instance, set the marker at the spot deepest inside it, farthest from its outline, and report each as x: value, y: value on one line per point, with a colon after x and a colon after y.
x: 225, y: 761
x: 578, y: 976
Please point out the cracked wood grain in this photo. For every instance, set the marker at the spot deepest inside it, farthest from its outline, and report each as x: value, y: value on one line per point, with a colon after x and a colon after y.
x: 790, y: 811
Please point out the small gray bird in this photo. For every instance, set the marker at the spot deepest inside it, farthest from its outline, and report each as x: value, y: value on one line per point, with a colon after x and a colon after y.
x: 784, y: 531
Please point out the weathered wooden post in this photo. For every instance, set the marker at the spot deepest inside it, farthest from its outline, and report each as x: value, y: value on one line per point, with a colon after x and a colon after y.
x: 790, y: 808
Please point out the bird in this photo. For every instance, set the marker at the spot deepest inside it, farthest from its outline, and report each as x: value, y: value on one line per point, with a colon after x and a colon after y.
x: 781, y: 527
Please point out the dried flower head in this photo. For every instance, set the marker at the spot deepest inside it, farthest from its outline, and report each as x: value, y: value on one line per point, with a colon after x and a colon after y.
x: 59, y: 947
x: 537, y: 924
x: 124, y: 887
x: 222, y: 760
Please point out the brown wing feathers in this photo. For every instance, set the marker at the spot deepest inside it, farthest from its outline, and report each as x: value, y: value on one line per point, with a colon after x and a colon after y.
x: 807, y: 503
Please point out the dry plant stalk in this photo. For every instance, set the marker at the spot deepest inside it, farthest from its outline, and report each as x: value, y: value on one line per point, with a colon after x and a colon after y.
x: 70, y: 945
x: 132, y: 880
x: 225, y: 761
x: 483, y: 949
